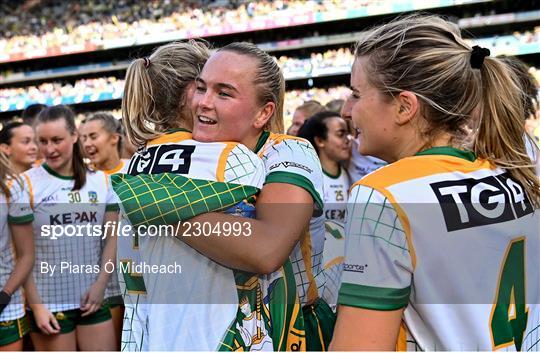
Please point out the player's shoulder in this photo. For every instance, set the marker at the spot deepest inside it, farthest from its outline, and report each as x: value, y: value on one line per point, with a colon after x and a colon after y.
x: 35, y: 173
x: 279, y: 146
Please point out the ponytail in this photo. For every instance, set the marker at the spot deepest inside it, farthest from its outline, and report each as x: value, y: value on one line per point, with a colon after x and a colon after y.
x: 138, y: 105
x: 501, y: 131
x: 5, y: 174
x: 58, y: 112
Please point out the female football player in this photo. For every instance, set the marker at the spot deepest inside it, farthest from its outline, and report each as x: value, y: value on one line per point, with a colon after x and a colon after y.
x: 17, y: 253
x: 440, y: 242
x: 102, y: 140
x: 239, y: 97
x: 73, y: 209
x: 17, y: 142
x: 223, y: 309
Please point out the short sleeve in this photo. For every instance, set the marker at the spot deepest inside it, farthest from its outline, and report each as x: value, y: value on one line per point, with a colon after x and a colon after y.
x: 295, y: 161
x: 244, y: 167
x: 20, y: 210
x: 378, y: 268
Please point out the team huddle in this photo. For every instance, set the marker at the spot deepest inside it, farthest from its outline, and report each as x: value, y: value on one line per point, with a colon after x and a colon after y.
x: 433, y: 249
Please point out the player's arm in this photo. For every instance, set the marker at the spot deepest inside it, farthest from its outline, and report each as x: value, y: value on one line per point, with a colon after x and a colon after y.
x: 45, y: 320
x: 23, y: 241
x: 377, y: 276
x: 364, y: 329
x: 91, y: 300
x: 283, y: 213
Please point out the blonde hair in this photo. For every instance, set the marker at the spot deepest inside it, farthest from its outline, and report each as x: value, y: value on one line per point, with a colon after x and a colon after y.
x: 426, y: 55
x: 269, y: 81
x: 311, y: 108
x: 6, y: 173
x: 155, y: 89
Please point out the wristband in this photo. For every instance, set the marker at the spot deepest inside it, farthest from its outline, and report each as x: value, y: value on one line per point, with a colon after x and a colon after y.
x: 5, y: 298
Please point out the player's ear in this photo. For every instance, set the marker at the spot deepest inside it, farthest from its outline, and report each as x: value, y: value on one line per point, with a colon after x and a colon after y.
x: 5, y: 149
x: 75, y: 136
x: 319, y: 142
x: 264, y: 115
x: 407, y: 106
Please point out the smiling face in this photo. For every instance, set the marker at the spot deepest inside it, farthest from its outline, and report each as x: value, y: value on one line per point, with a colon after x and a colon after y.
x: 98, y: 143
x: 225, y: 104
x: 337, y: 145
x: 22, y: 148
x: 372, y: 114
x: 56, y: 144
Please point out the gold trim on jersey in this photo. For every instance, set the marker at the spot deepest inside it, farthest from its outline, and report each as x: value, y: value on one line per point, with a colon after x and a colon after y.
x: 277, y: 139
x: 222, y: 162
x: 401, y: 345
x: 305, y: 246
x: 415, y: 167
x: 30, y: 190
x: 335, y: 261
x: 115, y: 169
x: 174, y: 137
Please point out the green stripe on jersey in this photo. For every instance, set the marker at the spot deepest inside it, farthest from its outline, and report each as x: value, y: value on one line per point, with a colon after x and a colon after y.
x: 21, y: 220
x: 374, y: 298
x: 55, y: 174
x: 295, y: 179
x: 112, y: 207
x: 448, y: 151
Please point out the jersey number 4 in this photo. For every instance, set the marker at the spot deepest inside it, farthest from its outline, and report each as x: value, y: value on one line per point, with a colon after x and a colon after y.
x: 509, y: 313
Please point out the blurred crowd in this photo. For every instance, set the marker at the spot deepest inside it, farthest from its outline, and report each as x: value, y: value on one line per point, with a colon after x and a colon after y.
x: 292, y: 67
x: 35, y: 25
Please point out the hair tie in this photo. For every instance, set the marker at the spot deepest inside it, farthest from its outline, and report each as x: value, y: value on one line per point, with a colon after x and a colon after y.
x: 477, y: 56
x: 146, y: 62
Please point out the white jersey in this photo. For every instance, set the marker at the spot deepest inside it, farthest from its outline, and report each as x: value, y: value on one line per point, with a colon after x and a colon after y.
x: 293, y: 160
x: 68, y: 231
x: 200, y: 303
x: 336, y: 193
x: 113, y: 287
x: 360, y: 165
x: 14, y: 209
x: 534, y: 153
x: 455, y: 241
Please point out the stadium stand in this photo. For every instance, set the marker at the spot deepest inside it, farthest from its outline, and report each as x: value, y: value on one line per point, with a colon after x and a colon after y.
x: 76, y: 52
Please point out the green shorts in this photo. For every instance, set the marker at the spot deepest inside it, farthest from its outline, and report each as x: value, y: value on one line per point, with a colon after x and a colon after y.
x: 114, y: 302
x: 319, y: 321
x: 70, y: 319
x: 13, y: 330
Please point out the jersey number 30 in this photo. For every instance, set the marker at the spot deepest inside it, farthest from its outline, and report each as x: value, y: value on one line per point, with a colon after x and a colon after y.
x: 509, y: 313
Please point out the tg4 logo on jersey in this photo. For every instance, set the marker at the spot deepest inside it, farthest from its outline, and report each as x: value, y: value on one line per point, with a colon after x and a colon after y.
x: 468, y: 203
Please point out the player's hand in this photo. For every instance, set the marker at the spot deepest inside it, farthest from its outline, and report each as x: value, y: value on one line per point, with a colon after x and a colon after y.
x: 93, y: 298
x: 5, y: 298
x: 45, y: 320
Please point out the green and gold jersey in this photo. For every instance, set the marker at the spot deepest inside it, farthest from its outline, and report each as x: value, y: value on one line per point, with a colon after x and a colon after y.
x: 68, y: 228
x: 208, y: 306
x: 453, y: 240
x: 293, y: 160
x: 14, y: 209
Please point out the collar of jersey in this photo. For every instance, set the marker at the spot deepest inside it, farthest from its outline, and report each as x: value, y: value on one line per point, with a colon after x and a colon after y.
x: 115, y: 169
x: 332, y: 176
x: 448, y: 151
x: 55, y: 174
x: 261, y: 141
